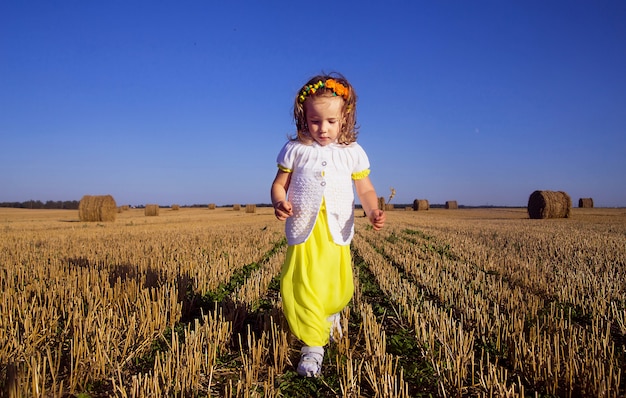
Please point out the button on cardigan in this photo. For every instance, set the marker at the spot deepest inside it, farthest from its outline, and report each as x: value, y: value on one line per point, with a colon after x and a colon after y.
x: 322, y: 173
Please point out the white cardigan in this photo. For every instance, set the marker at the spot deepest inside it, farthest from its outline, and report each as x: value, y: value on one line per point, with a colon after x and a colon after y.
x: 322, y: 172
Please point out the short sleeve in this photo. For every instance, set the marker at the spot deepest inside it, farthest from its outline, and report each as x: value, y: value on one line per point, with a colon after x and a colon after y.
x: 361, y: 163
x: 285, y: 158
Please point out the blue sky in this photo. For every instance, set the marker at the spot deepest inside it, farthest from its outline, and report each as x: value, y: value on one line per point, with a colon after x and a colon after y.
x: 189, y: 102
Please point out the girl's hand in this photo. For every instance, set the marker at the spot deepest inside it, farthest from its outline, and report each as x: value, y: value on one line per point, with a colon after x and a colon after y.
x: 283, y: 210
x: 377, y: 219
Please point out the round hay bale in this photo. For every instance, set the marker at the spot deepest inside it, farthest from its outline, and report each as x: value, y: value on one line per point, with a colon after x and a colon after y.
x: 175, y: 207
x: 236, y: 207
x: 389, y: 207
x: 97, y: 208
x: 549, y: 204
x: 381, y: 203
x: 586, y: 203
x: 451, y: 204
x: 250, y: 208
x: 420, y: 204
x: 151, y: 210
x: 212, y: 206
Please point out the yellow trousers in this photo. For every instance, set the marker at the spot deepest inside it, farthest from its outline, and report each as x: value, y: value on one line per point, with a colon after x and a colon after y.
x: 316, y: 282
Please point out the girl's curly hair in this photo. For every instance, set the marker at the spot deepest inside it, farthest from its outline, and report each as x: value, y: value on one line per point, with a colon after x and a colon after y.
x: 349, y: 129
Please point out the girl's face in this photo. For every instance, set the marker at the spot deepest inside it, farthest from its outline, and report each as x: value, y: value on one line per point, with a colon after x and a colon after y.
x: 324, y: 117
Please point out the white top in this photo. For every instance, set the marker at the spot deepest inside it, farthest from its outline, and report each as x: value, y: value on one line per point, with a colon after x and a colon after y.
x: 322, y: 172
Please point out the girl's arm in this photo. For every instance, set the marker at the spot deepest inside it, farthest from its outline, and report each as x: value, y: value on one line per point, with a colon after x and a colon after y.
x: 369, y: 200
x: 282, y: 207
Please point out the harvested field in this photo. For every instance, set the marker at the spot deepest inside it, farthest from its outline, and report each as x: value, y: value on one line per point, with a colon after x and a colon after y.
x: 475, y: 302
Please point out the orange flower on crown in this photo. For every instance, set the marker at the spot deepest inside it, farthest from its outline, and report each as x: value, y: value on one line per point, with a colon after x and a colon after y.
x: 337, y: 88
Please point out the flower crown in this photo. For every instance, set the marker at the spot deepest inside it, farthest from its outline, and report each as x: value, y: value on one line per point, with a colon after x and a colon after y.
x: 337, y: 88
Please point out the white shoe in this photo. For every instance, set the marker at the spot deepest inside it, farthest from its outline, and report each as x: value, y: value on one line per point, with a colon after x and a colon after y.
x: 336, y: 333
x: 311, y: 361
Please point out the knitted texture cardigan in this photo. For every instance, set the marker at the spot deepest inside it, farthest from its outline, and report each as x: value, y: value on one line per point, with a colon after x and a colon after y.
x: 322, y: 173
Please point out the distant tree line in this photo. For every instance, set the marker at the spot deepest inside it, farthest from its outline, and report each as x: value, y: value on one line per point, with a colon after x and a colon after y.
x: 38, y: 204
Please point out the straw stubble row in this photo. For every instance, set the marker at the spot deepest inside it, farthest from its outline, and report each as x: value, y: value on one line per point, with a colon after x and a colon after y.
x: 496, y: 287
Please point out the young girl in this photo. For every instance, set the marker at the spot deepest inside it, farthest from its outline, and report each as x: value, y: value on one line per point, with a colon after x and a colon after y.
x: 317, y: 168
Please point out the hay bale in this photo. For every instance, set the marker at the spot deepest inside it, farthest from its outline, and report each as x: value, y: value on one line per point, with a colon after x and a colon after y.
x: 389, y: 207
x: 236, y: 207
x: 151, y: 210
x: 212, y: 206
x: 549, y: 204
x: 420, y: 204
x: 451, y: 204
x: 175, y: 207
x: 97, y: 208
x: 586, y: 203
x: 381, y: 203
x: 250, y: 208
